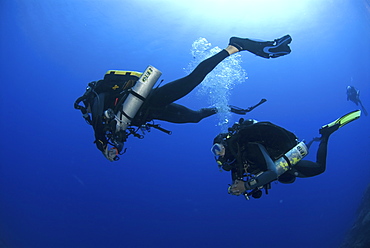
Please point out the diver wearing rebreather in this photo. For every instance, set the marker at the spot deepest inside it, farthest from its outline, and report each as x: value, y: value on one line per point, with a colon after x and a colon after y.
x: 109, y: 116
x: 258, y: 153
x: 353, y: 95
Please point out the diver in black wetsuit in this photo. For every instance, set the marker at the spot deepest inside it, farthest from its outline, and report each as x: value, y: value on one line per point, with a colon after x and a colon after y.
x: 258, y: 153
x: 160, y: 105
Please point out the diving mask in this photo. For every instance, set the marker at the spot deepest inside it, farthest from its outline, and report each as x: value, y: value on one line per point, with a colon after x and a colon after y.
x: 218, y: 150
x: 111, y: 154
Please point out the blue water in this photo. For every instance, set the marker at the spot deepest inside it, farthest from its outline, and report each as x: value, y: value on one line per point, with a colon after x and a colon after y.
x: 57, y: 190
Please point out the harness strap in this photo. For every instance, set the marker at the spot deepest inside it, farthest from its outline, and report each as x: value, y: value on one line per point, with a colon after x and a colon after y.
x: 287, y: 160
x: 137, y: 95
x: 128, y: 117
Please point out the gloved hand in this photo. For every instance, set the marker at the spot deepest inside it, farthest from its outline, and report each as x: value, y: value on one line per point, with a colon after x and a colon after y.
x: 237, y: 188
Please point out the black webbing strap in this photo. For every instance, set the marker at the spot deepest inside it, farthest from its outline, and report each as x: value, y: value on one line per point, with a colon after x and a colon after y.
x: 137, y: 95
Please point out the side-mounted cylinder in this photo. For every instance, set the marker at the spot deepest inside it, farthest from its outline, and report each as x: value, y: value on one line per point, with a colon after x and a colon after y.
x: 137, y: 96
x: 277, y: 168
x: 291, y: 158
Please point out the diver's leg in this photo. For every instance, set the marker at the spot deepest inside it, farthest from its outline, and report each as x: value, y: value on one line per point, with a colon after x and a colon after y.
x: 176, y: 113
x: 363, y: 109
x: 311, y: 141
x: 179, y: 88
x: 307, y: 168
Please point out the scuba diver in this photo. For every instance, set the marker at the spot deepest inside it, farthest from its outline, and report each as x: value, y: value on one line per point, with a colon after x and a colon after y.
x: 125, y: 101
x: 258, y: 153
x: 353, y: 95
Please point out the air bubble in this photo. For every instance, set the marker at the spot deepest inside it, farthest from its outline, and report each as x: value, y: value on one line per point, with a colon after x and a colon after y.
x: 217, y: 86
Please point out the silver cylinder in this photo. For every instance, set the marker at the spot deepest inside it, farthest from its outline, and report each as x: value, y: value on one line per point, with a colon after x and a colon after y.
x: 133, y: 103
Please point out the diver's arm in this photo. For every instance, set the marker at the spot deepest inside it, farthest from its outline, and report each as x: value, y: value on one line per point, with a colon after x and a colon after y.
x: 240, y: 187
x: 265, y: 177
x: 262, y: 179
x: 101, y: 143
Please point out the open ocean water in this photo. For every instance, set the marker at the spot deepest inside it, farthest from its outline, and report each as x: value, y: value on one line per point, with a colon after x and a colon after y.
x: 56, y: 188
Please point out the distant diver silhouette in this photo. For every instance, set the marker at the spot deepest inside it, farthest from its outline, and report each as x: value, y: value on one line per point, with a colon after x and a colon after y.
x: 353, y: 95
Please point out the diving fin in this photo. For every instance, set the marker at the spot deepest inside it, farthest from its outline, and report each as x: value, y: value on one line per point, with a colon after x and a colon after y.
x: 266, y: 49
x: 345, y: 119
x: 241, y: 111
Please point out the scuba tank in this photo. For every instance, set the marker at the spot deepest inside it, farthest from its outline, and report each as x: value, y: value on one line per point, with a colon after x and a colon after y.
x: 291, y: 158
x: 136, y: 97
x: 277, y: 168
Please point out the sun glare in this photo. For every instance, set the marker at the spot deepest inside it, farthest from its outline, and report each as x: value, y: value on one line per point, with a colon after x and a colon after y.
x: 249, y: 9
x: 249, y: 13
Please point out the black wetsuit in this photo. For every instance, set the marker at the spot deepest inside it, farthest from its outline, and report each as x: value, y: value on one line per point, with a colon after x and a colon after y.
x: 160, y: 104
x: 307, y: 168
